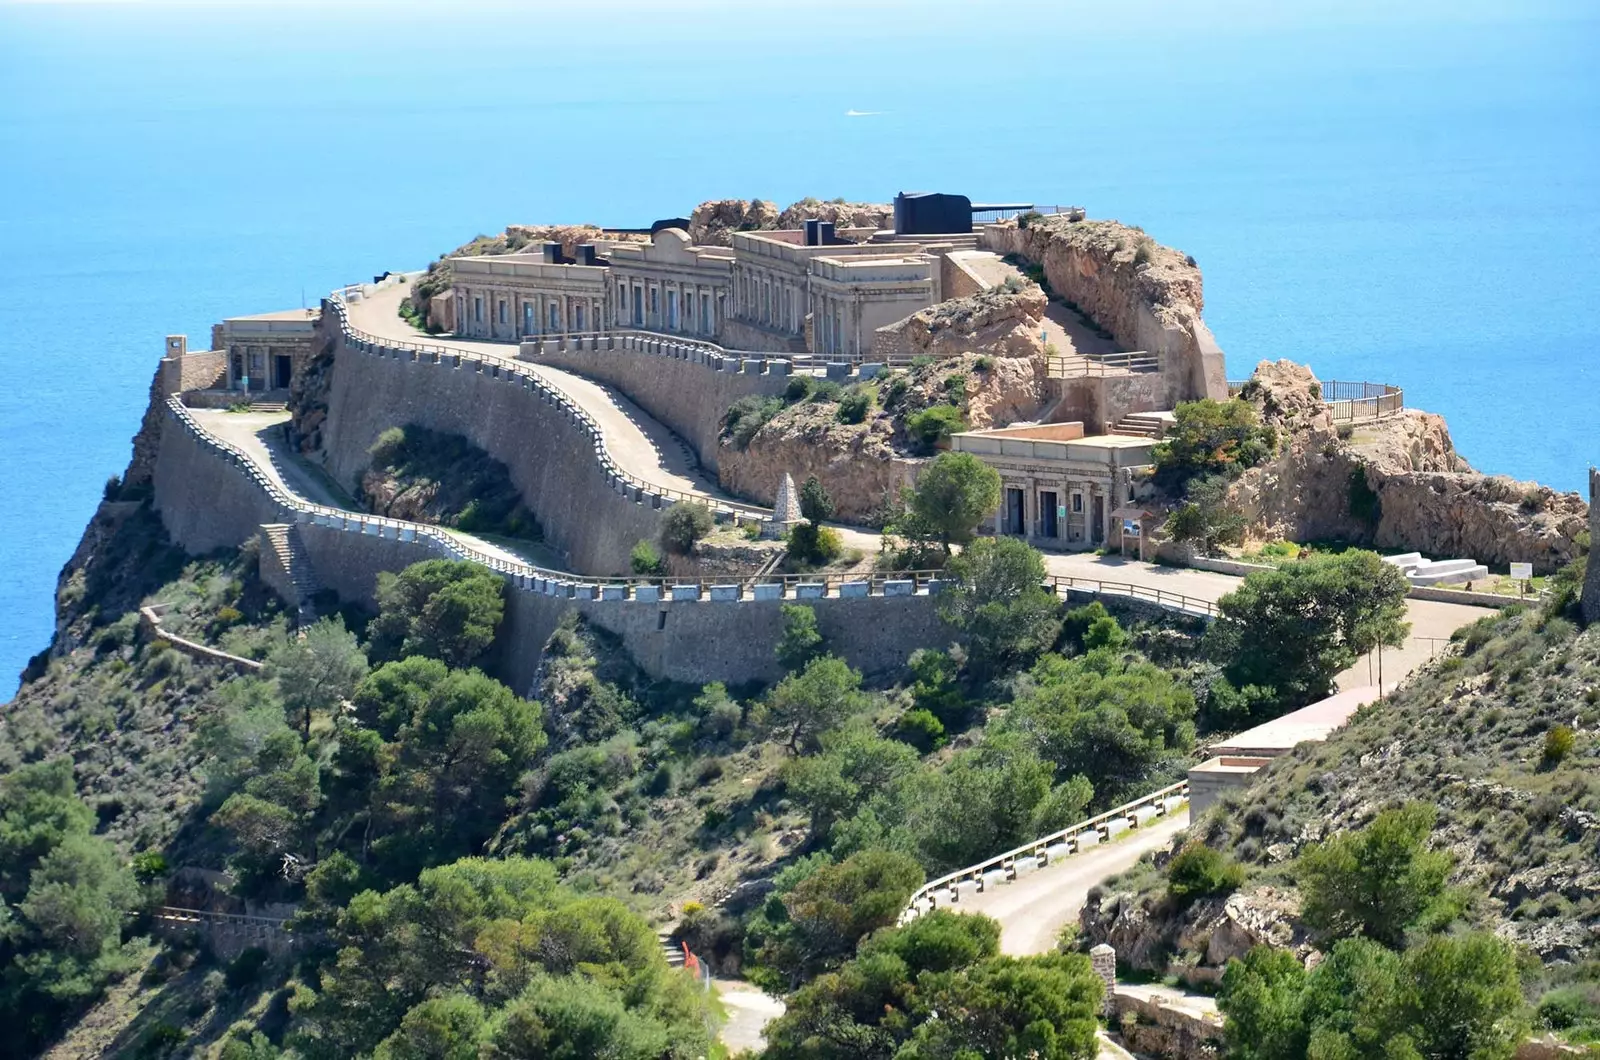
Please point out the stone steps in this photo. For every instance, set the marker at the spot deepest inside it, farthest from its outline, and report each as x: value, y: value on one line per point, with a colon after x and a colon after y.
x: 268, y: 406
x: 1143, y: 424
x: 670, y: 950
x: 284, y: 541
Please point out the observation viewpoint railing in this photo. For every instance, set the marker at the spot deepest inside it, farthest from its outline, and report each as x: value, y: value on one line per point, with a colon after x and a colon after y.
x: 1004, y: 868
x: 177, y: 915
x: 1136, y: 362
x: 1349, y: 402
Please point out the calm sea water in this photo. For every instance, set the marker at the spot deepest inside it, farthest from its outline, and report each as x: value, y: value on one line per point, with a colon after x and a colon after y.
x: 1408, y: 197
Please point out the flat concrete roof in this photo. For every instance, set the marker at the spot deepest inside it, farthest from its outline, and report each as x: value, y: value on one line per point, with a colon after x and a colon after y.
x: 1314, y: 722
x: 281, y: 314
x: 1093, y: 441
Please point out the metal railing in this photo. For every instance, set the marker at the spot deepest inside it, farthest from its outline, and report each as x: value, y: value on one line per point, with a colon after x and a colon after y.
x: 1069, y: 840
x: 1349, y: 402
x: 177, y: 915
x: 1101, y: 365
x: 1162, y: 598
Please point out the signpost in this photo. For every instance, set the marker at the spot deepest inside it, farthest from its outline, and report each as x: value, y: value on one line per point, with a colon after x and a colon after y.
x: 1523, y: 572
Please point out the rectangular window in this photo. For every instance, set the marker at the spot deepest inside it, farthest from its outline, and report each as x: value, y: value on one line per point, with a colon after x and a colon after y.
x: 555, y: 317
x: 655, y: 304
x: 1077, y: 503
x: 502, y: 310
x: 577, y: 318
x: 477, y: 310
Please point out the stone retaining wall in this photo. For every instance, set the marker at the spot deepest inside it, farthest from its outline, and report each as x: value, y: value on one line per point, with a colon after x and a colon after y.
x: 689, y: 396
x: 587, y: 514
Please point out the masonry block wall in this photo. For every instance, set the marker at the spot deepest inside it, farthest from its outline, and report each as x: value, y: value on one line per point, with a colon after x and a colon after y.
x: 690, y: 397
x: 552, y: 460
x: 205, y: 502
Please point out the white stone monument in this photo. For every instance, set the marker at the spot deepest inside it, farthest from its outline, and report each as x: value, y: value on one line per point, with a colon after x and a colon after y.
x: 785, y: 510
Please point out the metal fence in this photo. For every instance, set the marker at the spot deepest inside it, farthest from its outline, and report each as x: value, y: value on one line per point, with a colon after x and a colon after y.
x: 1040, y: 852
x: 1349, y: 402
x: 1101, y: 365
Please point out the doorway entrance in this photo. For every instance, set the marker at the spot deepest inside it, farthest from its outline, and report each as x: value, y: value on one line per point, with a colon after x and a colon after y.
x: 1048, y: 526
x: 282, y: 371
x: 1097, y: 530
x: 1016, y: 521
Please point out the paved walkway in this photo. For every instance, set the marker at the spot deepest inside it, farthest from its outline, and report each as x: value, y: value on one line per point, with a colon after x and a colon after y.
x: 640, y: 444
x: 749, y: 1011
x: 1432, y: 621
x: 1033, y: 909
x: 1063, y: 328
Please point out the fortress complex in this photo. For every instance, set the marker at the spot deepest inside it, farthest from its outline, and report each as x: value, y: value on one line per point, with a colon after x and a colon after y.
x: 814, y: 289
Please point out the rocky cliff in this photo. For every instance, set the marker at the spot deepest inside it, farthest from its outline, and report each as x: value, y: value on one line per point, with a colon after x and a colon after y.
x: 713, y: 223
x: 1393, y: 483
x: 1148, y: 296
x: 1002, y: 321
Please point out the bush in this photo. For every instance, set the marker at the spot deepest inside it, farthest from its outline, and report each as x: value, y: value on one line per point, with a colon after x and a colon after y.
x: 113, y: 488
x: 810, y: 543
x: 1364, y: 503
x: 921, y: 730
x: 685, y: 523
x: 932, y: 426
x: 983, y: 364
x: 855, y: 403
x: 645, y: 561
x: 799, y: 388
x: 387, y: 449
x: 895, y: 389
x: 1028, y: 217
x: 815, y: 504
x: 1558, y: 744
x: 1211, y: 438
x: 149, y: 866
x: 747, y: 416
x: 1199, y: 871
x: 825, y: 391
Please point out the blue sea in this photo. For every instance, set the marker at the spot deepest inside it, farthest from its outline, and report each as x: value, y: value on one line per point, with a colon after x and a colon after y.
x: 1407, y: 193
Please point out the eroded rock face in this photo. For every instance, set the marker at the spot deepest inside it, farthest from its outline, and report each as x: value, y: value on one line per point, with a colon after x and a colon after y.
x: 1148, y: 296
x: 713, y: 223
x: 1000, y: 322
x: 1392, y: 483
x: 855, y: 462
x: 1148, y: 935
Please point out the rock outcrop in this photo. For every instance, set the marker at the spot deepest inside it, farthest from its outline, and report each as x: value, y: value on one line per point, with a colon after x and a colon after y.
x: 1000, y: 322
x: 1149, y: 297
x: 1392, y: 483
x: 855, y: 462
x: 1148, y: 935
x: 713, y: 223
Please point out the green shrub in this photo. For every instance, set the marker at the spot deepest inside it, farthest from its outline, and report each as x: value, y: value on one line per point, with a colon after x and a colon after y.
x: 149, y: 866
x: 826, y: 390
x: 799, y: 388
x: 1558, y: 744
x: 1145, y: 253
x: 1211, y: 438
x: 895, y: 389
x: 684, y: 524
x: 855, y: 403
x: 983, y: 364
x: 1364, y: 503
x: 811, y: 543
x: 388, y: 449
x: 113, y: 488
x: 646, y: 561
x: 1028, y: 217
x: 1199, y: 871
x: 747, y: 416
x: 934, y: 425
x: 955, y: 383
x: 921, y: 730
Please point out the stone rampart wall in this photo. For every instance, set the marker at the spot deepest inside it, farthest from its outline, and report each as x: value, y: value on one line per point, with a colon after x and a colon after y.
x: 205, y: 501
x: 586, y: 514
x: 956, y: 280
x: 193, y: 371
x: 689, y: 396
x: 1098, y: 403
x: 739, y: 335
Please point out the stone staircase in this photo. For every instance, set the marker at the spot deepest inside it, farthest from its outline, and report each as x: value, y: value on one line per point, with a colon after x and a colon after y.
x: 269, y: 406
x: 1152, y: 425
x: 670, y: 950
x: 282, y: 540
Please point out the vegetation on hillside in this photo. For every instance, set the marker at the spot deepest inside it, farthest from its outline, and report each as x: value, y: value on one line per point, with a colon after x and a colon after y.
x: 432, y: 477
x: 1440, y: 920
x: 1209, y: 444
